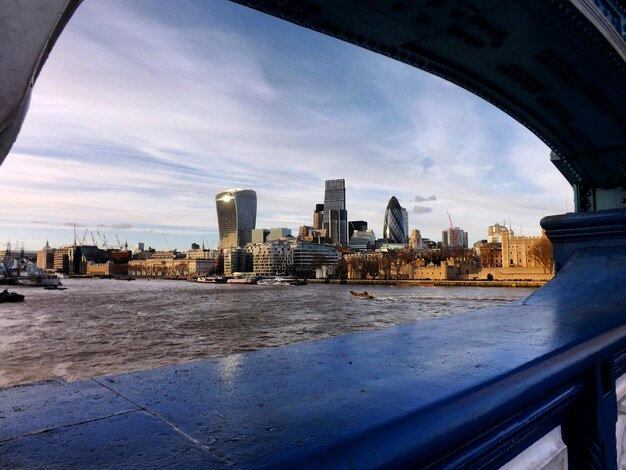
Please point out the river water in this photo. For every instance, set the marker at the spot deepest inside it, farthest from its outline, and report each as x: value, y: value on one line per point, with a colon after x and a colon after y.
x: 100, y: 326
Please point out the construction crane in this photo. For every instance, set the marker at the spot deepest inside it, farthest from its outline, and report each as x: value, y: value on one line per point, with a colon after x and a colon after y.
x: 93, y: 239
x: 119, y: 242
x: 103, y: 239
x: 82, y: 242
x: 453, y: 234
x: 167, y: 243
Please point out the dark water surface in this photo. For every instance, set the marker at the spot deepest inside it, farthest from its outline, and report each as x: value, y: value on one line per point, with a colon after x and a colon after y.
x: 98, y: 326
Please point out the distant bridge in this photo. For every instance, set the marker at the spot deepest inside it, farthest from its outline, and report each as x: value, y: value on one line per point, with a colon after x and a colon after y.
x: 546, y: 373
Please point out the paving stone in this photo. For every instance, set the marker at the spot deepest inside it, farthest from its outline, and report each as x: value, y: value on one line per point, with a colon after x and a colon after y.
x: 27, y: 409
x: 131, y: 440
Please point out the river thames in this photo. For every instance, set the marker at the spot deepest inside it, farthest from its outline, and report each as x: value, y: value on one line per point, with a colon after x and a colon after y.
x: 100, y: 326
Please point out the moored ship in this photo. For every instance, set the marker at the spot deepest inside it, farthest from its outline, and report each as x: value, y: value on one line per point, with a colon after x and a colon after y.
x: 278, y: 281
x: 11, y: 273
x: 211, y: 279
x: 243, y: 280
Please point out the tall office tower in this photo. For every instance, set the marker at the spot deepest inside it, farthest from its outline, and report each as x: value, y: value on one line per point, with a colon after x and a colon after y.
x: 236, y: 217
x: 354, y: 225
x: 335, y: 214
x: 393, y: 225
x: 318, y: 217
x: 405, y: 216
x: 454, y: 238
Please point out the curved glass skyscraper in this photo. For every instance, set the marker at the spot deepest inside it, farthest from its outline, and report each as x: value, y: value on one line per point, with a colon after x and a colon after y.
x: 393, y: 227
x: 236, y: 216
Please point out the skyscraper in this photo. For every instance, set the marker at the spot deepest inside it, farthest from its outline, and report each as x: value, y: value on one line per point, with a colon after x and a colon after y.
x: 236, y: 216
x: 405, y: 216
x: 393, y: 226
x: 454, y: 238
x: 318, y: 217
x: 335, y: 214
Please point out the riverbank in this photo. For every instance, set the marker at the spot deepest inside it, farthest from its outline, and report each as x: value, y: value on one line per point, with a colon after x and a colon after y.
x: 373, y: 282
x: 427, y: 283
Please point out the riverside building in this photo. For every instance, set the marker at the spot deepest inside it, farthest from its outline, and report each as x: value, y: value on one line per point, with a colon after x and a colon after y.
x: 236, y: 217
x: 271, y: 258
x: 237, y: 260
x: 307, y: 257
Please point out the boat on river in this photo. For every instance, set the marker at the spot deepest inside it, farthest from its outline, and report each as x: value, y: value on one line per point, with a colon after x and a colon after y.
x: 24, y: 273
x: 38, y: 281
x: 211, y: 279
x: 6, y: 296
x: 243, y: 280
x: 363, y: 295
x: 278, y: 281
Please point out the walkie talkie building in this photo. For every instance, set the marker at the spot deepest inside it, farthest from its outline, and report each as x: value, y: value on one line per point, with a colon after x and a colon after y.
x: 236, y: 216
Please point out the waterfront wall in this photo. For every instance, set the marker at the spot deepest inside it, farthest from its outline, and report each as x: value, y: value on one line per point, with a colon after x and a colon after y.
x: 424, y: 282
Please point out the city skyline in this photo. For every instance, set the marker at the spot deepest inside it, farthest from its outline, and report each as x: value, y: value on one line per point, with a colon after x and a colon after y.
x: 124, y: 146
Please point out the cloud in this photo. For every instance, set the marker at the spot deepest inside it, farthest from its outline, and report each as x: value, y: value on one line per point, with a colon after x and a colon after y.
x: 72, y: 224
x: 422, y: 199
x: 38, y: 222
x: 421, y: 209
x: 232, y: 104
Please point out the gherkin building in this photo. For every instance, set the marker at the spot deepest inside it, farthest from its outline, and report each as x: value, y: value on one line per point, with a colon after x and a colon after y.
x: 393, y: 227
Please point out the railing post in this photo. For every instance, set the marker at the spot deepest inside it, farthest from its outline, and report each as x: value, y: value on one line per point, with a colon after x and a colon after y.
x: 589, y: 428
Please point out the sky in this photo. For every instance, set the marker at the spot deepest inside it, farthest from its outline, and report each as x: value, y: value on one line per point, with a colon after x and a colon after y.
x: 145, y: 110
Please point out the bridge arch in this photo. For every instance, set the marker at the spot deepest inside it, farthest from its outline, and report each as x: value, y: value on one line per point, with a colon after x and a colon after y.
x: 516, y: 55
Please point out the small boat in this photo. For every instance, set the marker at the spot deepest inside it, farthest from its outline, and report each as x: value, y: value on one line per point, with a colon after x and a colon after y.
x: 285, y: 281
x: 243, y: 280
x: 38, y: 281
x: 55, y: 288
x: 211, y: 279
x: 278, y: 281
x: 362, y: 295
x: 6, y: 296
